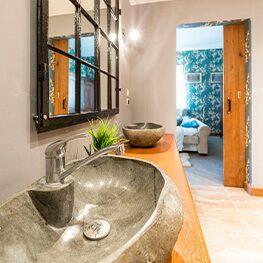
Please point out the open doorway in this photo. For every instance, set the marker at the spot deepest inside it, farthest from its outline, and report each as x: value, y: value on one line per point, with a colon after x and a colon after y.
x: 213, y: 104
x: 199, y: 75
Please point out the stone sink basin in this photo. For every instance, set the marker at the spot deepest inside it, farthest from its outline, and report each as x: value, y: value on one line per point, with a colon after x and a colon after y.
x: 143, y: 134
x: 139, y: 201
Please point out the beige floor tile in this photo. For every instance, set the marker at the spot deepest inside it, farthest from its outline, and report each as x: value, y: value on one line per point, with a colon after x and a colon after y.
x: 232, y: 220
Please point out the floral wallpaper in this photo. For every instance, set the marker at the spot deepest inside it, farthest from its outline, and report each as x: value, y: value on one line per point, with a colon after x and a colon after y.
x: 204, y: 99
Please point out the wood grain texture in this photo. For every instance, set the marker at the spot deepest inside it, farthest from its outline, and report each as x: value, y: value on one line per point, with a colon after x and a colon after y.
x: 61, y: 78
x: 234, y: 120
x: 190, y: 246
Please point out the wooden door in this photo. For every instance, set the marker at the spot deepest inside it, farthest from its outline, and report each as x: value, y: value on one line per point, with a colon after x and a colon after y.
x: 234, y: 105
x: 61, y: 80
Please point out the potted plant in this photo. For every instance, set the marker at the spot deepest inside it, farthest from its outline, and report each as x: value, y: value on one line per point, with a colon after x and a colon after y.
x: 106, y: 134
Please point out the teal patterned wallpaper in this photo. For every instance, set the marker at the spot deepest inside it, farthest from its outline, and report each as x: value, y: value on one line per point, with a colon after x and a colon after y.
x: 204, y: 99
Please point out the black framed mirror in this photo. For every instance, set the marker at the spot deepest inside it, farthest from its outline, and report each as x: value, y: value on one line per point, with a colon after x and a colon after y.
x: 78, y: 62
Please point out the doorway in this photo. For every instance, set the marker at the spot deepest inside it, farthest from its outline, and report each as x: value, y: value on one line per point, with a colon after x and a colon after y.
x: 213, y: 85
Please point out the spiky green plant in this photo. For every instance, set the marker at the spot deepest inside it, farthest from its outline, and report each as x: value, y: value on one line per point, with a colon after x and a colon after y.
x: 106, y: 134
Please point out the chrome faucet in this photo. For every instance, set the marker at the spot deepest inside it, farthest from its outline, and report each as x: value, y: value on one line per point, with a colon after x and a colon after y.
x: 55, y: 159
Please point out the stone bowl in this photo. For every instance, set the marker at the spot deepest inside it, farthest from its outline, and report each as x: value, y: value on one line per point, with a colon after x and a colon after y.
x: 143, y: 134
x: 137, y: 199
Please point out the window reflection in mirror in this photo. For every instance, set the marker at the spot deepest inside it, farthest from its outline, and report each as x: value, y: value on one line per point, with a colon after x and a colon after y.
x: 87, y: 89
x: 113, y: 23
x: 104, y: 91
x: 61, y: 35
x: 89, y: 7
x: 103, y: 16
x: 77, y: 61
x: 61, y: 22
x: 113, y: 5
x: 61, y: 83
x: 104, y: 53
x: 113, y: 31
x: 113, y: 61
x: 87, y: 41
x: 113, y: 93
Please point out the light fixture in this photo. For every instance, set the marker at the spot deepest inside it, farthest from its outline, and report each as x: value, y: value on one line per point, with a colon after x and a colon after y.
x: 113, y: 37
x: 134, y: 35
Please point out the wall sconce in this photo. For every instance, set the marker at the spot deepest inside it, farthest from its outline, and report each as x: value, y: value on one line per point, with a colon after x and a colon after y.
x: 129, y: 37
x: 134, y: 35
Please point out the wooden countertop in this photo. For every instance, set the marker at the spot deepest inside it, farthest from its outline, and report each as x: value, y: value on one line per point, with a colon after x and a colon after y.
x: 190, y: 246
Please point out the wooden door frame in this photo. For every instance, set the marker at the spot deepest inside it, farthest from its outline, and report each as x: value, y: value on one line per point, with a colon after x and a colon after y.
x: 248, y: 145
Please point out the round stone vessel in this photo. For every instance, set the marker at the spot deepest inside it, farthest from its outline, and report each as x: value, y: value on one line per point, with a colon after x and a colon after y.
x: 143, y: 134
x: 136, y: 198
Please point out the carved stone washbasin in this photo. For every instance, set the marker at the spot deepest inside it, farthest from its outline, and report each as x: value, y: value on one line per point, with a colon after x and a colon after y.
x: 138, y: 200
x: 143, y: 134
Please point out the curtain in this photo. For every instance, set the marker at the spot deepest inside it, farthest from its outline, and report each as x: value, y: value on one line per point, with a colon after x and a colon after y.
x: 181, y: 92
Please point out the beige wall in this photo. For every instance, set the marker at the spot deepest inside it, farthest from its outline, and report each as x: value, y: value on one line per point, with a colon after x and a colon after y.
x: 147, y: 70
x: 154, y: 60
x: 125, y: 68
x: 21, y: 148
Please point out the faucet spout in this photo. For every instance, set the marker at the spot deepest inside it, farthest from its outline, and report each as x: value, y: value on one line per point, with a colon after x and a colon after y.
x: 55, y: 159
x: 118, y: 149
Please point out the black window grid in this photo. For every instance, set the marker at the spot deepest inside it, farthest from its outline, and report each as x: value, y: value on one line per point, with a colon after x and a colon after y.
x: 43, y: 120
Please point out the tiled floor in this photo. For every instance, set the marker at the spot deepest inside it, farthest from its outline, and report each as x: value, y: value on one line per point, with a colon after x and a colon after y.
x: 232, y: 220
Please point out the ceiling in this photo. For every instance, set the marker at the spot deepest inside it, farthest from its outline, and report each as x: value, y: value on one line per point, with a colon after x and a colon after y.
x: 139, y: 2
x: 189, y: 38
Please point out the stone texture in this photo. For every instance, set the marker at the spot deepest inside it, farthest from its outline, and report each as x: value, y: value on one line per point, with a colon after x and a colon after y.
x: 54, y: 202
x: 138, y: 200
x: 143, y: 134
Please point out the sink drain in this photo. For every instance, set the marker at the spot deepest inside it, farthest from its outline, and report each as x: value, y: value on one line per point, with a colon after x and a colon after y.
x: 96, y: 229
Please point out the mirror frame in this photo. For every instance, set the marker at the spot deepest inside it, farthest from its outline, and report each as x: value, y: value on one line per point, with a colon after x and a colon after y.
x: 43, y: 120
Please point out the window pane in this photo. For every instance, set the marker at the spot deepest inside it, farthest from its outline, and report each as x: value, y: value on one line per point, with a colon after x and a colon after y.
x: 113, y: 93
x: 66, y: 44
x: 113, y: 33
x: 61, y: 22
x: 104, y: 53
x: 89, y: 6
x: 113, y: 4
x: 102, y: 4
x: 104, y: 91
x: 87, y: 89
x: 61, y: 84
x: 113, y: 61
x: 87, y: 41
x: 103, y: 16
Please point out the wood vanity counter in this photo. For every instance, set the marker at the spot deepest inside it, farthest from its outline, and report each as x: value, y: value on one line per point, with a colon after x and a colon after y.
x: 190, y: 246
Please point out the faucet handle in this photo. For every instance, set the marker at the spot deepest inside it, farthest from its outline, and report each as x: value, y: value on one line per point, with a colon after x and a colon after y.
x: 58, y: 147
